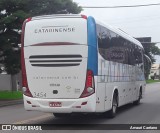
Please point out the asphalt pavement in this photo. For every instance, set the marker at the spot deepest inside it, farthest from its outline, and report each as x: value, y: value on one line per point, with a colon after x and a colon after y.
x: 10, y: 102
x: 148, y: 112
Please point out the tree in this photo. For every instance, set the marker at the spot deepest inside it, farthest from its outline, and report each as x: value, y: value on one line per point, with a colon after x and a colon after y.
x: 149, y: 47
x: 150, y: 50
x: 12, y: 15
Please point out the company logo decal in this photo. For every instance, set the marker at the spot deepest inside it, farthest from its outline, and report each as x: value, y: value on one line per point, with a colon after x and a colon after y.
x: 56, y: 77
x: 54, y: 29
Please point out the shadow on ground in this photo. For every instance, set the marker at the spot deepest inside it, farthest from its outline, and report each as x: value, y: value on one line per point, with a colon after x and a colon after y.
x: 90, y: 118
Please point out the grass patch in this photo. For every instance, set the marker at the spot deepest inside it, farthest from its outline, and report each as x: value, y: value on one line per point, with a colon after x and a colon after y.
x: 152, y: 81
x: 9, y: 95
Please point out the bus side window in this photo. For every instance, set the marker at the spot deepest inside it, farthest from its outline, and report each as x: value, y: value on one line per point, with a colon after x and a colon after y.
x: 98, y: 28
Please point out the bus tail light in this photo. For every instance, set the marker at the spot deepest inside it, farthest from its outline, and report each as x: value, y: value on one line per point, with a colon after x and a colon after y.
x: 84, y: 16
x: 25, y: 88
x: 89, y: 85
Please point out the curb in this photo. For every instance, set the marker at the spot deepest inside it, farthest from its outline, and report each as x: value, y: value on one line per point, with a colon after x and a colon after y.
x: 4, y: 103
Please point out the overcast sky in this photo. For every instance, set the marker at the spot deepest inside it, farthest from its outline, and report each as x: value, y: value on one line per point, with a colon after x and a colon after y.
x: 137, y: 21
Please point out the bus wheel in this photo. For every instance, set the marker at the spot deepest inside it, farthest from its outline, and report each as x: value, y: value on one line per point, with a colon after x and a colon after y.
x: 112, y: 113
x: 59, y: 115
x: 139, y: 98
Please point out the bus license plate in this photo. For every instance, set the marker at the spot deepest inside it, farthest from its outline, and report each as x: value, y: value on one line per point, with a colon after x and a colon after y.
x: 55, y: 104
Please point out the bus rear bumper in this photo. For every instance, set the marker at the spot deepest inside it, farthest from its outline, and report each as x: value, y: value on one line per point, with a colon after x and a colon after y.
x: 87, y: 104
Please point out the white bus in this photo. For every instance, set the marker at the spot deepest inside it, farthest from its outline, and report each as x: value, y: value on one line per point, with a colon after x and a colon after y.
x: 73, y: 63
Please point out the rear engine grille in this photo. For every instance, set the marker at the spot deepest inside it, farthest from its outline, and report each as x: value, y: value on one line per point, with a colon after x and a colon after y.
x: 55, y: 60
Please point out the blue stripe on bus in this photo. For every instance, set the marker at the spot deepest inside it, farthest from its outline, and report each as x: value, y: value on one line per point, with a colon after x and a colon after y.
x: 92, y: 46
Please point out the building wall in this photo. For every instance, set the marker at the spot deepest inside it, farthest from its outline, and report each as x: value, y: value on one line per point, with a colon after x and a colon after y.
x: 10, y: 83
x: 5, y: 82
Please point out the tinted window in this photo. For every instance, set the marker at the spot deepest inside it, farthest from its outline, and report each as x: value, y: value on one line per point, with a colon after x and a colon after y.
x: 113, y: 47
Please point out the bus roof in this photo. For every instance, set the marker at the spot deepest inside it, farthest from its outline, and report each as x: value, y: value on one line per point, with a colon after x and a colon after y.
x: 58, y: 16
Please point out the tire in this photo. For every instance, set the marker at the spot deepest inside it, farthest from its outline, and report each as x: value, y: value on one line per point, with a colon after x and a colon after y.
x: 112, y: 113
x: 60, y: 115
x: 137, y: 102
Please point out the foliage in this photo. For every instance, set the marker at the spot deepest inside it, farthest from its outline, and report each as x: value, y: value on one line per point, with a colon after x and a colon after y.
x: 152, y: 81
x: 10, y: 95
x: 150, y: 50
x: 12, y: 15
